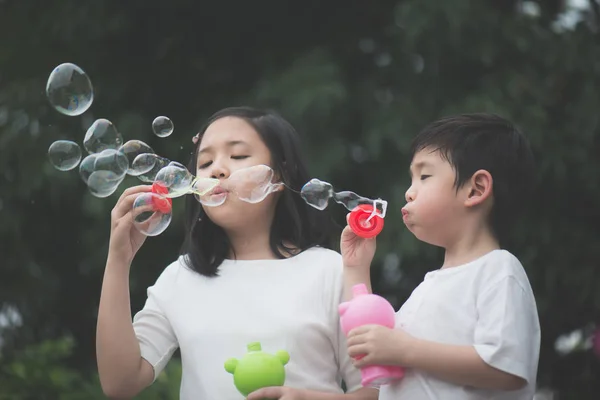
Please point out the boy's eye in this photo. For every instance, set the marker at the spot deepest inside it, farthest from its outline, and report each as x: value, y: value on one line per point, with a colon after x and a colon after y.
x: 239, y: 157
x: 206, y: 164
x: 423, y: 177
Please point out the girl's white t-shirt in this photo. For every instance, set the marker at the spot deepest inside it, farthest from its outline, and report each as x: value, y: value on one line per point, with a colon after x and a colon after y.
x: 289, y: 304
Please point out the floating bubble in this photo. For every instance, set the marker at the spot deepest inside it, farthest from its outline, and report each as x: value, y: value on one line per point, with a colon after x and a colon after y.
x: 69, y: 90
x: 175, y: 178
x: 103, y: 172
x: 113, y: 161
x: 132, y: 149
x: 142, y: 164
x: 159, y: 163
x: 87, y: 167
x: 103, y: 183
x: 64, y: 155
x: 102, y: 135
x: 162, y: 126
x: 152, y: 213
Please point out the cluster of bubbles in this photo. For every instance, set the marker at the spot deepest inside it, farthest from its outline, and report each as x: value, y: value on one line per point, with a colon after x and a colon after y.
x: 109, y: 161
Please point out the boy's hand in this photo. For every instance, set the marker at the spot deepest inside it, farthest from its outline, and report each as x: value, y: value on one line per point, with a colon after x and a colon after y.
x: 356, y: 252
x: 379, y: 345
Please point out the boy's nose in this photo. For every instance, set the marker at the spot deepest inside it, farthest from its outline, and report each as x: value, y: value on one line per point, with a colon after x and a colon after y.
x: 409, y: 195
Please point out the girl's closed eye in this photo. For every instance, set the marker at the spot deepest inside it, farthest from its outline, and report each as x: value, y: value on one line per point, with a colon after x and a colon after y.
x: 423, y: 177
x: 204, y: 165
x: 239, y: 157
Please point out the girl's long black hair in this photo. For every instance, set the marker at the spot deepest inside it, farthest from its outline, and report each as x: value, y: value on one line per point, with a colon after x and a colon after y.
x: 296, y: 223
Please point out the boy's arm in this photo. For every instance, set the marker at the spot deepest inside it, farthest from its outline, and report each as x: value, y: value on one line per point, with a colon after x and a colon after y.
x: 354, y: 276
x: 504, y: 355
x: 461, y: 365
x: 357, y: 254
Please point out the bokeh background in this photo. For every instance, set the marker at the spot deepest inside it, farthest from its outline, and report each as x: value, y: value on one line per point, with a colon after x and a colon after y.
x: 358, y: 79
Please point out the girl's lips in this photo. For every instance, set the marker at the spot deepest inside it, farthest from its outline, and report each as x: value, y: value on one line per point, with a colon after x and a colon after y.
x: 219, y: 190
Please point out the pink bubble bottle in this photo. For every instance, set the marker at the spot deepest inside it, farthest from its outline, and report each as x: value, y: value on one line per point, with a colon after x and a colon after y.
x: 370, y: 309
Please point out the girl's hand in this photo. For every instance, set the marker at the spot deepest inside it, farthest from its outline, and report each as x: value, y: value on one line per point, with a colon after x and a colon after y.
x: 125, y: 239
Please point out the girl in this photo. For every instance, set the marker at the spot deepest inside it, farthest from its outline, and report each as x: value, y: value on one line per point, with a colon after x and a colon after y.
x: 247, y: 273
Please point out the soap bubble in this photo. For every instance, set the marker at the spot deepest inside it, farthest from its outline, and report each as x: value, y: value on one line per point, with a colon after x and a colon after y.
x: 103, y: 172
x: 102, y: 135
x: 162, y: 126
x: 112, y: 161
x: 69, y: 90
x: 87, y: 167
x: 152, y: 213
x: 175, y: 178
x: 132, y: 149
x: 159, y: 163
x: 252, y: 184
x: 317, y: 193
x: 143, y: 163
x: 206, y: 192
x: 103, y: 183
x: 64, y: 155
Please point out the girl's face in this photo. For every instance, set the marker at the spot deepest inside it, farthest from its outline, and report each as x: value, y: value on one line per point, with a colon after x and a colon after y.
x: 227, y: 145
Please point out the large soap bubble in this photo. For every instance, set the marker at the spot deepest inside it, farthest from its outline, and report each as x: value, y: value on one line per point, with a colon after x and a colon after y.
x: 69, y: 90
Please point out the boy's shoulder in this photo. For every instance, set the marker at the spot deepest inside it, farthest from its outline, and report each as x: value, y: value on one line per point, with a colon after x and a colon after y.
x: 499, y: 265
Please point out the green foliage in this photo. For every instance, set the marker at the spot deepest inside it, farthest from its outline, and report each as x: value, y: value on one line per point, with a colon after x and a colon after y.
x: 39, y: 373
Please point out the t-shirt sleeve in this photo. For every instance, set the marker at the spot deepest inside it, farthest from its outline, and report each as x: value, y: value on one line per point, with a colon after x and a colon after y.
x: 348, y: 372
x: 507, y: 334
x: 151, y: 324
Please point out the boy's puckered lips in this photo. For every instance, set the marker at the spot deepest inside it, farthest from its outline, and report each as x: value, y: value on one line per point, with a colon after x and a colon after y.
x: 404, y: 213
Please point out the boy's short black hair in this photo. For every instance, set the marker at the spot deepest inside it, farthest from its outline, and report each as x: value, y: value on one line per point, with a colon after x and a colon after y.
x: 471, y: 142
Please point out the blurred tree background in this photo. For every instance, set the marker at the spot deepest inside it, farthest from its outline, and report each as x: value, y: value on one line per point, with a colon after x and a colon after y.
x: 358, y: 79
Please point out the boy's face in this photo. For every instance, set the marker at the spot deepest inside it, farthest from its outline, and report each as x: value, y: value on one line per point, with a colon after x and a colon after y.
x: 434, y: 208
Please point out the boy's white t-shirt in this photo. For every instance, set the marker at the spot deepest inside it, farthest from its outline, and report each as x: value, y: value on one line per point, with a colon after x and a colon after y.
x: 487, y: 303
x: 289, y: 304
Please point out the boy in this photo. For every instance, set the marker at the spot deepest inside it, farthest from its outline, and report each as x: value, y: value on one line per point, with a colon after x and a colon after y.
x: 470, y: 330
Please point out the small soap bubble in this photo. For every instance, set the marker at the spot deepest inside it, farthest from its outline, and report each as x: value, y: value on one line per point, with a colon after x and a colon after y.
x: 64, y: 155
x: 102, y: 135
x: 159, y: 163
x: 175, y: 178
x: 103, y: 183
x: 162, y: 126
x: 87, y: 167
x: 113, y: 161
x: 152, y: 213
x: 317, y: 193
x: 132, y: 149
x: 142, y: 164
x: 69, y: 90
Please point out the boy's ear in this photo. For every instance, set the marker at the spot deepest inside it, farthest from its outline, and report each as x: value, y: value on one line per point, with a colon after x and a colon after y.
x: 480, y: 188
